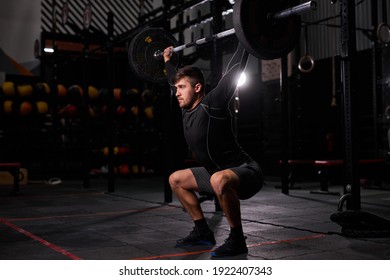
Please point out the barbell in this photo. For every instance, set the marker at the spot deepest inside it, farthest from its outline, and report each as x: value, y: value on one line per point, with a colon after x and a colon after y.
x: 267, y: 29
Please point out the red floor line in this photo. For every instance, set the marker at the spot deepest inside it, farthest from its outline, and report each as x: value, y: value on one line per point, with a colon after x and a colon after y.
x: 40, y: 240
x: 87, y: 215
x: 251, y: 245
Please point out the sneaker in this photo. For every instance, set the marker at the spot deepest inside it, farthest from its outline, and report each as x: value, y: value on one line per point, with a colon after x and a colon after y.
x: 233, y: 246
x: 196, y: 237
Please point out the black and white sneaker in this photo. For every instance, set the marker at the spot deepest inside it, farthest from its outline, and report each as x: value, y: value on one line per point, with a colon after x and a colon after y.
x: 196, y: 237
x: 233, y: 246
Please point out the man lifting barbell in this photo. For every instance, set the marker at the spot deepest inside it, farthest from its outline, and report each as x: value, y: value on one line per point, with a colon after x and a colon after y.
x: 228, y: 171
x: 265, y: 30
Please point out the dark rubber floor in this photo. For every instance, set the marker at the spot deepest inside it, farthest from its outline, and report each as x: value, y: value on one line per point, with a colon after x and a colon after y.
x: 68, y: 221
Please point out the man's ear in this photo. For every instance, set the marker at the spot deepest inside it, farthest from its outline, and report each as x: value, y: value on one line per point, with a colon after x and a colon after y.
x: 198, y: 87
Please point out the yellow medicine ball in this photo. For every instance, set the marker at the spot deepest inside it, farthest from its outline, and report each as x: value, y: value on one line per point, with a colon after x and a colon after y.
x: 149, y: 112
x: 93, y: 93
x: 25, y: 90
x: 8, y: 88
x: 42, y: 107
x: 7, y: 106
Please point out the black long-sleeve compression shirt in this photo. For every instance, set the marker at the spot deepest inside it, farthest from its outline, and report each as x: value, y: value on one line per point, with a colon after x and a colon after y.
x: 208, y: 128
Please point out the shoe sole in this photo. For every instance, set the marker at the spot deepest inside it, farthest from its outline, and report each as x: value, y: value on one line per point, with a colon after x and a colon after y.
x: 215, y: 255
x: 195, y: 244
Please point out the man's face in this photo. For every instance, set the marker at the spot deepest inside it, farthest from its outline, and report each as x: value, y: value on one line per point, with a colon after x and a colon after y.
x: 187, y: 95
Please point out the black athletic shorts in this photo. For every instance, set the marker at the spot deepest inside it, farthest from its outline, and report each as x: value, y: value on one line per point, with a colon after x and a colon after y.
x: 250, y: 174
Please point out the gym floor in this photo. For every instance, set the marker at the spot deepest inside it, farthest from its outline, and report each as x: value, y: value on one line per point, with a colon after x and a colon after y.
x: 67, y: 221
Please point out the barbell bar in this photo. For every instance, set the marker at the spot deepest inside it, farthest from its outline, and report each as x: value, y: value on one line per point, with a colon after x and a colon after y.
x: 267, y: 29
x: 296, y: 10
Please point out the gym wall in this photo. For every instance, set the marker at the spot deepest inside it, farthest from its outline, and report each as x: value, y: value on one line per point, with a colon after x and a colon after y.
x: 19, y: 27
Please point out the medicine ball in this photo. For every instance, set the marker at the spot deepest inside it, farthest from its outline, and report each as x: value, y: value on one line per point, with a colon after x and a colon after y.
x: 42, y: 107
x: 93, y: 93
x: 8, y: 88
x: 25, y: 90
x: 26, y: 108
x: 61, y: 90
x: 8, y: 107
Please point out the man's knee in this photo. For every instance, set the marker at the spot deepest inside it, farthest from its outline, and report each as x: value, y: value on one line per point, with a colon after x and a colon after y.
x: 174, y: 180
x: 181, y: 179
x: 222, y: 182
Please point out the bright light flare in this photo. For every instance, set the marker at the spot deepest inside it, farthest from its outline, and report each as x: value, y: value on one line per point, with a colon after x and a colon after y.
x: 241, y: 80
x: 48, y: 50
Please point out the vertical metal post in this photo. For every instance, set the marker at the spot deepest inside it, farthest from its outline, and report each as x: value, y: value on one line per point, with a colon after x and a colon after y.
x: 168, y: 147
x: 84, y: 112
x: 285, y: 123
x: 54, y: 16
x: 348, y: 51
x: 110, y: 63
x: 216, y: 59
x: 376, y: 65
x: 168, y: 135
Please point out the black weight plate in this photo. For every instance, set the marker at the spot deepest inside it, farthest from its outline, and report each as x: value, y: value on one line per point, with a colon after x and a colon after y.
x: 262, y: 36
x: 141, y: 52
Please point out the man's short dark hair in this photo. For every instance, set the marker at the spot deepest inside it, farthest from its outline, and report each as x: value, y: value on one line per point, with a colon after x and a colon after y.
x: 192, y: 73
